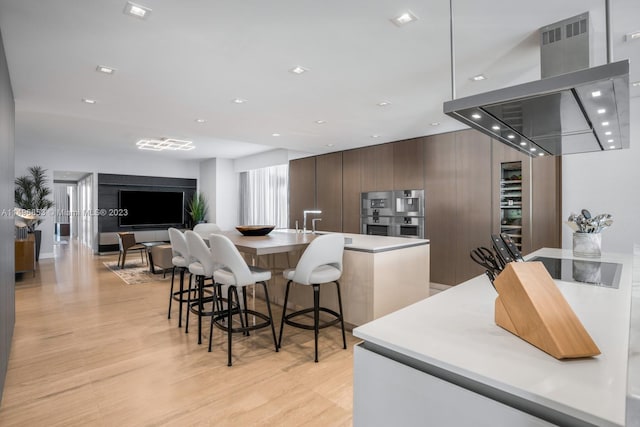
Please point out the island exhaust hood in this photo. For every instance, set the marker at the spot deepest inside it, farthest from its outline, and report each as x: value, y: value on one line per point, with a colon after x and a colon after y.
x: 576, y: 112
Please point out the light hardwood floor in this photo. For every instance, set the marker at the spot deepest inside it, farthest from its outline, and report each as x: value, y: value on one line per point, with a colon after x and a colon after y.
x: 89, y: 349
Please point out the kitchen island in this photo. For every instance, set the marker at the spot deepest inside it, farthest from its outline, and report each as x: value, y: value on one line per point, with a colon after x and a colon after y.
x: 444, y: 361
x: 380, y: 274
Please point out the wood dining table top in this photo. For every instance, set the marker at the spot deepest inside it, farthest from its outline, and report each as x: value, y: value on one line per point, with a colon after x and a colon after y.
x: 272, y: 243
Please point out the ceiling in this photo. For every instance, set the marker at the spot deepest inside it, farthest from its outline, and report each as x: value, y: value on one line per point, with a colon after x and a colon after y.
x: 191, y: 58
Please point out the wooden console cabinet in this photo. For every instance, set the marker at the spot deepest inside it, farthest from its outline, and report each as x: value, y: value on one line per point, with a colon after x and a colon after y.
x: 26, y: 254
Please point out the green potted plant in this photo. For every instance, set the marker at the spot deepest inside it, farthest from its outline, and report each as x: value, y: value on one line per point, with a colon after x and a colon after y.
x: 31, y: 192
x: 198, y: 208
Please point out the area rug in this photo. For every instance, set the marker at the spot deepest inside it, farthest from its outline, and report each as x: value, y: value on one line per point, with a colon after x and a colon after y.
x: 135, y: 273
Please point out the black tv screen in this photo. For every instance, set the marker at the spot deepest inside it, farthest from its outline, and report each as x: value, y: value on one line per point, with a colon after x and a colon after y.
x: 149, y: 208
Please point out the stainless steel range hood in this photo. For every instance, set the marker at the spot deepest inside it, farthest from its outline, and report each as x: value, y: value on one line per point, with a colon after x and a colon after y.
x: 577, y: 112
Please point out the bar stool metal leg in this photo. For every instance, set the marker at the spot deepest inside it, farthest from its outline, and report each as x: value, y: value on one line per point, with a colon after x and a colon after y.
x: 344, y: 338
x: 316, y: 318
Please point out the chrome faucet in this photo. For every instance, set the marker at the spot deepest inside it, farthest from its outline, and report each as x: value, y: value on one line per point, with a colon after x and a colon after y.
x: 313, y: 224
x: 304, y: 219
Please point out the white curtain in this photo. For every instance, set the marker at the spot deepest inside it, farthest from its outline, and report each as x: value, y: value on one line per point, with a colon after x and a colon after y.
x: 264, y: 196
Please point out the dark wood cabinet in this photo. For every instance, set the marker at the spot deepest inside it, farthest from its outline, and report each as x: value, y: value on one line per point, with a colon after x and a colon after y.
x: 440, y: 206
x: 329, y: 191
x: 546, y: 203
x: 302, y: 189
x: 408, y: 164
x: 473, y: 200
x: 457, y: 180
x: 377, y: 173
x: 25, y: 254
x: 351, y: 189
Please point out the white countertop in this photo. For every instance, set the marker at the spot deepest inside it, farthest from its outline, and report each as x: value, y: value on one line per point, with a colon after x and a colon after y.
x: 455, y: 330
x: 368, y: 243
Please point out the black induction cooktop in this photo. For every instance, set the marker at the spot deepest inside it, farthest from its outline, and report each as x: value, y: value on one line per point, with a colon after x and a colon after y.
x: 597, y: 273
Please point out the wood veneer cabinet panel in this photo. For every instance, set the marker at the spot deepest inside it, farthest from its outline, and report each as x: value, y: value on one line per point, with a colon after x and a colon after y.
x: 351, y: 189
x: 302, y: 188
x: 329, y: 191
x: 408, y: 164
x: 440, y: 205
x: 377, y: 170
x: 546, y: 202
x: 473, y: 197
x: 25, y: 254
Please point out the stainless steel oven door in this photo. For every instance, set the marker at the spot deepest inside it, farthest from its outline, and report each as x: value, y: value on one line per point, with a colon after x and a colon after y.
x: 412, y: 227
x: 376, y: 203
x: 377, y: 226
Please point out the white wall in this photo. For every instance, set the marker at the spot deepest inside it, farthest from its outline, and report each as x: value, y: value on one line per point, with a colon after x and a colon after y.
x: 207, y: 183
x: 606, y: 182
x: 145, y: 164
x: 227, y: 195
x: 220, y: 184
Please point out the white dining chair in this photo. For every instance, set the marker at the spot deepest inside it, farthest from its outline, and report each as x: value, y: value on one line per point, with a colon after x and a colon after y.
x: 180, y: 260
x: 202, y: 266
x: 204, y: 229
x: 320, y: 263
x: 237, y: 274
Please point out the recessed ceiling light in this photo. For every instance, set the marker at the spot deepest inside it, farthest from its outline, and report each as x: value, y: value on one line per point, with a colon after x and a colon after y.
x: 601, y: 111
x: 105, y: 69
x: 636, y: 84
x: 605, y: 123
x: 609, y: 141
x: 511, y: 136
x: 476, y: 116
x: 495, y: 127
x: 200, y: 120
x: 540, y: 154
x: 136, y: 10
x: 88, y: 101
x: 275, y: 134
x: 375, y: 136
x: 329, y: 145
x: 633, y: 36
x: 596, y: 93
x: 435, y: 123
x: 608, y: 133
x: 533, y: 149
x: 404, y: 18
x: 321, y: 122
x: 523, y: 143
x: 383, y: 103
x: 239, y: 101
x: 165, y: 144
x: 478, y: 78
x: 612, y: 147
x: 298, y: 70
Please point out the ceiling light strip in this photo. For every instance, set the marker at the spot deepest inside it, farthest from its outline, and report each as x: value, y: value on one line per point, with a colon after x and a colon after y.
x: 165, y: 144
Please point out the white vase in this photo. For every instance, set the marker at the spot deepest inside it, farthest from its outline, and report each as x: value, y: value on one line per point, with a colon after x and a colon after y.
x: 587, y: 245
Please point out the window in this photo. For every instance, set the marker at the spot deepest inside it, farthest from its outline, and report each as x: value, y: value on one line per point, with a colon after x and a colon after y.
x: 264, y: 196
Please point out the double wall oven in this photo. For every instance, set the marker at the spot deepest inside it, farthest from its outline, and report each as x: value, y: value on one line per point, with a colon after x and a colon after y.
x: 393, y: 213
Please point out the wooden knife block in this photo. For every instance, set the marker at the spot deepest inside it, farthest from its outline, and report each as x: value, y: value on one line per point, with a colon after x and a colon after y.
x: 531, y: 306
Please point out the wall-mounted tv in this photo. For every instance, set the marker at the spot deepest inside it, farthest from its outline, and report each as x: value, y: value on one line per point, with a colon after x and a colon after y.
x: 138, y: 208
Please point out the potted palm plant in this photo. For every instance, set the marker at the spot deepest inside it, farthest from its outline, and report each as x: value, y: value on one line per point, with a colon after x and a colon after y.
x: 198, y: 208
x: 30, y: 194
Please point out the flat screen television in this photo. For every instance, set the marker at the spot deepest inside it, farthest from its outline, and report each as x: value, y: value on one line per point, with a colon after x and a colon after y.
x: 150, y: 208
